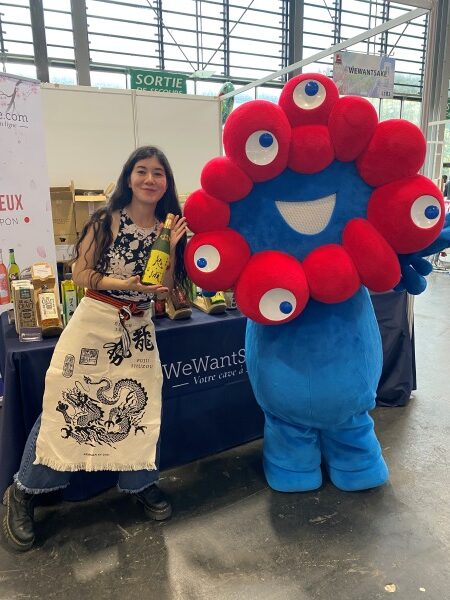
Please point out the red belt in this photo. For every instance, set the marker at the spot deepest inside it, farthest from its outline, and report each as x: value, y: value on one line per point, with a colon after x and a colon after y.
x: 126, y: 308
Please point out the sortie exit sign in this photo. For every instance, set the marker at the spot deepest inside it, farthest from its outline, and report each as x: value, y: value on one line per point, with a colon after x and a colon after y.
x: 158, y: 81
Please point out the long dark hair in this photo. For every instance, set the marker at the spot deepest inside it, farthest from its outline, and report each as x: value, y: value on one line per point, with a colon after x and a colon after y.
x: 101, y: 220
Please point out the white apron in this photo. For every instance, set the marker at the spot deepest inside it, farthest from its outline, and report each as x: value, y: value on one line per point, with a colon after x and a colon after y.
x: 102, y: 399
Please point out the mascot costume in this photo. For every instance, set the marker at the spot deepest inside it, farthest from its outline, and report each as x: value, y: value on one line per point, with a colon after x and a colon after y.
x: 314, y: 203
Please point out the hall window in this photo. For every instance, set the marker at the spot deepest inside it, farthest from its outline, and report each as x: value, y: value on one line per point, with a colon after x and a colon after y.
x: 16, y: 37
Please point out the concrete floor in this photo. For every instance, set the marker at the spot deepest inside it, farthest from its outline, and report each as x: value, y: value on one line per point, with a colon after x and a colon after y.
x: 232, y: 538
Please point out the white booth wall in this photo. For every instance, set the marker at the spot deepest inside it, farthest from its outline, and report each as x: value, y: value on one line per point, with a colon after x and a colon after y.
x: 90, y: 132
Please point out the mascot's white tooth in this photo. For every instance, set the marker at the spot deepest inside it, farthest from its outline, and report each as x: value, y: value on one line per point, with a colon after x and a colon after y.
x: 309, y: 217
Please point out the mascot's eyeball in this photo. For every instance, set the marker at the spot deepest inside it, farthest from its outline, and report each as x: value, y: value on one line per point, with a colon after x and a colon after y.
x: 309, y: 94
x: 207, y: 258
x: 261, y: 148
x: 425, y: 212
x: 277, y: 304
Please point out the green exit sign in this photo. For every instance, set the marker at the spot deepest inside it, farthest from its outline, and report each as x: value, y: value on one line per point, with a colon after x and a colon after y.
x: 158, y: 81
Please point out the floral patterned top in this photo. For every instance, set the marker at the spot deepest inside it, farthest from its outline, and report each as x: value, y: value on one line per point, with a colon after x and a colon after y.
x: 128, y: 255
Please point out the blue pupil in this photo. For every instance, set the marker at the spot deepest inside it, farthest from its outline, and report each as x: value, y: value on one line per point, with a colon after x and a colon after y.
x: 286, y: 307
x: 266, y: 140
x: 311, y: 88
x: 201, y: 263
x: 431, y: 212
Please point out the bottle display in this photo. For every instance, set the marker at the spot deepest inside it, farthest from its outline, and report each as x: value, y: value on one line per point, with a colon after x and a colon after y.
x: 69, y: 297
x: 4, y: 282
x: 159, y: 256
x: 13, y: 269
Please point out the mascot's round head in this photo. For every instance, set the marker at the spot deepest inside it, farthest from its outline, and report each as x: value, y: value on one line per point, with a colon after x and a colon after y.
x: 313, y: 199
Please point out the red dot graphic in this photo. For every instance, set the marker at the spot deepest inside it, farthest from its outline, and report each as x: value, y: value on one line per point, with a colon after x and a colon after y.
x: 27, y: 219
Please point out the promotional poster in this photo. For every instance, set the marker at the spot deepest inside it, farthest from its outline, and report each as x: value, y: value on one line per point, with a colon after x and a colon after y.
x: 26, y: 230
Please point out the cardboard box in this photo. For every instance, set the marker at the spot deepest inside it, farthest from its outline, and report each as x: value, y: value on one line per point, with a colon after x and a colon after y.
x: 63, y: 213
x: 86, y: 202
x: 65, y: 246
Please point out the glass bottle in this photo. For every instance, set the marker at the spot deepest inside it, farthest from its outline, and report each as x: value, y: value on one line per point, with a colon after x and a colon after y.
x: 4, y: 282
x: 159, y: 256
x: 13, y: 269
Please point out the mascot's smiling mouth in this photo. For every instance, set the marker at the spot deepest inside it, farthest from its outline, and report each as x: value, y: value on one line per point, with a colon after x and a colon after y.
x: 309, y: 217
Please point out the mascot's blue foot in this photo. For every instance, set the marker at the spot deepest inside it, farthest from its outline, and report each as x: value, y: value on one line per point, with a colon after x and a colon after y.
x: 354, y: 481
x: 283, y: 480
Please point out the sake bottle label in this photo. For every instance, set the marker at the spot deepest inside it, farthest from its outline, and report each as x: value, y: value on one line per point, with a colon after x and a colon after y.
x: 47, y: 306
x: 156, y: 268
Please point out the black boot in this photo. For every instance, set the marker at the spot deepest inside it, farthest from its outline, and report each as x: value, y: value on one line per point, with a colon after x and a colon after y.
x: 18, y: 524
x: 155, y: 503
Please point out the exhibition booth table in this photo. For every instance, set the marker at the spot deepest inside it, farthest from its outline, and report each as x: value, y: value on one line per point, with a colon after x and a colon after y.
x: 208, y: 404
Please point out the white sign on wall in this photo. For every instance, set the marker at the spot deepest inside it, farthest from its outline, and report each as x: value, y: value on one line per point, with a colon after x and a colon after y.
x: 25, y: 212
x: 364, y: 74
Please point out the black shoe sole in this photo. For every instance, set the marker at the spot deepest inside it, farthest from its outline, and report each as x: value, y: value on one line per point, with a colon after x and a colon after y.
x: 155, y: 515
x: 9, y: 536
x: 161, y: 515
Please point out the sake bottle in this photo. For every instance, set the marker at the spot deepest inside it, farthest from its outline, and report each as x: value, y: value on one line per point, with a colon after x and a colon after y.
x: 159, y: 256
x: 69, y: 297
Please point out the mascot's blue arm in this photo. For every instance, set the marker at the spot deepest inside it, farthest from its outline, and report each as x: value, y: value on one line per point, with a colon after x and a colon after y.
x: 415, y: 267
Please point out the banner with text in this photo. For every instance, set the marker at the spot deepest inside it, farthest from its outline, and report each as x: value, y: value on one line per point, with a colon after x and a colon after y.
x: 364, y: 74
x: 158, y: 81
x: 26, y: 229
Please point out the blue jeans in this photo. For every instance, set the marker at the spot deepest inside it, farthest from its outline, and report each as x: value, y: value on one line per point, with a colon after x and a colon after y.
x: 38, y: 479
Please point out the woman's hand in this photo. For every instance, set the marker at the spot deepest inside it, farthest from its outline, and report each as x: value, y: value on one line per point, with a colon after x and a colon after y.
x: 134, y: 284
x: 179, y: 228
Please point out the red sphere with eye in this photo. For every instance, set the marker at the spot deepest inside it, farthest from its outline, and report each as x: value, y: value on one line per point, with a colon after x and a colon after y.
x: 409, y: 213
x: 308, y: 99
x: 272, y: 289
x: 257, y: 139
x: 214, y: 260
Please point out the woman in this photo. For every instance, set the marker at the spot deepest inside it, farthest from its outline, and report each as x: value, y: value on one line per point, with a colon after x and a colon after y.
x: 102, y: 400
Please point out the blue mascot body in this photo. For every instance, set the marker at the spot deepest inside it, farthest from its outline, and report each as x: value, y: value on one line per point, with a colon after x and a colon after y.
x: 314, y: 377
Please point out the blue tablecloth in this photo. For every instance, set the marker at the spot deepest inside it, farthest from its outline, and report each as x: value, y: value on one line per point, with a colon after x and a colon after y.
x: 208, y: 404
